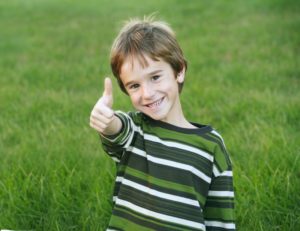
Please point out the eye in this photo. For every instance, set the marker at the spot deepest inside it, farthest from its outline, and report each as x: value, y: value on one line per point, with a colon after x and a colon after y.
x: 134, y: 86
x: 155, y: 77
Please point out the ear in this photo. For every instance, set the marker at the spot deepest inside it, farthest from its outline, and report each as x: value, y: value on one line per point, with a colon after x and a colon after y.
x: 180, y: 76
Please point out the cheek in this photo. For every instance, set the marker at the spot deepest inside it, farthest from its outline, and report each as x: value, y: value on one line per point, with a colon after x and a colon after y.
x: 134, y: 99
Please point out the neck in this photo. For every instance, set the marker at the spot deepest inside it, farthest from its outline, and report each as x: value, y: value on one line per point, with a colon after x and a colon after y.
x: 179, y: 120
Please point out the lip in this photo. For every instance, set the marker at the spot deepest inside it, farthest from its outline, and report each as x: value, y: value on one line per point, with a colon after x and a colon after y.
x: 155, y: 104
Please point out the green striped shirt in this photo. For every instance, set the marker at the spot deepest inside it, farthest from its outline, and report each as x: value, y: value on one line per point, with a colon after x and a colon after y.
x: 169, y: 178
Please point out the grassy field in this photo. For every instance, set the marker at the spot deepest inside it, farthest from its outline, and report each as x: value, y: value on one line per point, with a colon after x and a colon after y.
x: 243, y: 78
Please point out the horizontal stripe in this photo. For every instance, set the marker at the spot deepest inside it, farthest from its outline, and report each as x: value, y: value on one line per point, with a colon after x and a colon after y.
x: 178, y: 155
x: 220, y: 224
x: 179, y: 146
x: 219, y: 204
x: 160, y: 205
x: 226, y: 173
x: 169, y: 175
x: 143, y: 222
x: 167, y: 186
x: 159, y: 215
x: 221, y: 193
x: 171, y: 164
x: 122, y: 223
x: 164, y: 176
x: 164, y: 186
x: 218, y: 173
x: 156, y: 193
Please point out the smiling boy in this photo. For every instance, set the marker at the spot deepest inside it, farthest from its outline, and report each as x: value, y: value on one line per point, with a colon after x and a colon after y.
x: 172, y: 174
x: 153, y: 90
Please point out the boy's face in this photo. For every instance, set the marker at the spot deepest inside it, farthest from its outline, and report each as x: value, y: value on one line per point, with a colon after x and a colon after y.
x: 153, y: 89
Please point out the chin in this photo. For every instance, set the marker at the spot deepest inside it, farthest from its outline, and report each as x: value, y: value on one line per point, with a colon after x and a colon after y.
x: 160, y: 115
x: 154, y: 116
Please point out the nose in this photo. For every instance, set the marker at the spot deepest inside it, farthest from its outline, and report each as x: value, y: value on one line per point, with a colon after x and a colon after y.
x: 147, y: 91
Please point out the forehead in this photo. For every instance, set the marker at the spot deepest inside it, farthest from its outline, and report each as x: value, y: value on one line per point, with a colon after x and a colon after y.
x: 141, y: 65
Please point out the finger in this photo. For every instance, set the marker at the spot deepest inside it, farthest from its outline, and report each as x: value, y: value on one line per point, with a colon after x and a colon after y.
x: 107, y: 87
x: 98, y: 123
x: 104, y: 110
x: 97, y: 126
x: 101, y: 118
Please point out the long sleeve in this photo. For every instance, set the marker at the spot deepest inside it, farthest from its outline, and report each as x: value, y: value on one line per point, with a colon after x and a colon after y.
x: 219, y: 206
x: 115, y: 145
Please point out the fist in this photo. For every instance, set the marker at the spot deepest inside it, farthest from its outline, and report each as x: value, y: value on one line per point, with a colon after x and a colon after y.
x: 102, y: 114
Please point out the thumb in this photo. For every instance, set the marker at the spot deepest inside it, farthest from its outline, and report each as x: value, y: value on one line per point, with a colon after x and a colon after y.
x: 107, y: 87
x: 107, y: 93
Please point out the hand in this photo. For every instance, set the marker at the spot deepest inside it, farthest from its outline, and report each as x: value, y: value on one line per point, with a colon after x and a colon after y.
x: 102, y: 116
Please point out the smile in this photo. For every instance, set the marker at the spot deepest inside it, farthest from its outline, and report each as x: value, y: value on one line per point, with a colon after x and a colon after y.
x: 155, y: 104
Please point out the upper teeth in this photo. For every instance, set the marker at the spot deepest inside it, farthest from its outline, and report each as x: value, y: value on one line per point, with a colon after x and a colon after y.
x: 155, y: 103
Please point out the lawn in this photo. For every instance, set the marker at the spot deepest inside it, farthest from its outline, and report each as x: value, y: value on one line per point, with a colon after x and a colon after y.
x: 243, y: 78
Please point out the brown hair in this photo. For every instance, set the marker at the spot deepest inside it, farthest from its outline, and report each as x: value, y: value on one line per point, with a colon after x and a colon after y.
x: 140, y: 38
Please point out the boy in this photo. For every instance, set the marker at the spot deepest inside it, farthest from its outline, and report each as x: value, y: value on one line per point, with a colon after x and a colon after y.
x: 171, y: 174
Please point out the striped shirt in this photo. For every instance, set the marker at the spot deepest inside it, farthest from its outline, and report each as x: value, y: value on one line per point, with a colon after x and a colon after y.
x: 169, y: 178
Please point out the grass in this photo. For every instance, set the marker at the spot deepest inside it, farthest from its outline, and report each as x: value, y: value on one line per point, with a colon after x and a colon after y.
x: 243, y: 68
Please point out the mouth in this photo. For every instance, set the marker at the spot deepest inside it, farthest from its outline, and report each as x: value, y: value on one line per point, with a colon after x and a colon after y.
x: 155, y: 104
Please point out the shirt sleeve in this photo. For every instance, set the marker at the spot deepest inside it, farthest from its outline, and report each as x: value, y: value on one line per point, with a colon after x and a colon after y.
x: 219, y: 207
x: 115, y: 145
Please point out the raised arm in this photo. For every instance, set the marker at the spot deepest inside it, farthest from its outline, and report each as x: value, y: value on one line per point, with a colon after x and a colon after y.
x: 102, y: 117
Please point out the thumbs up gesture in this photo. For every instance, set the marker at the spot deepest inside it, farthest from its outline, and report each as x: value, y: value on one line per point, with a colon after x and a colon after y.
x: 102, y: 117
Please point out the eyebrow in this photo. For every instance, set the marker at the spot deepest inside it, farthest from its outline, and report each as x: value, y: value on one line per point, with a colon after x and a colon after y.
x: 154, y: 72
x: 148, y: 74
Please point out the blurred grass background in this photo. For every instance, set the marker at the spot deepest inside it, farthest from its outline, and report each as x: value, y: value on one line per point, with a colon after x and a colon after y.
x: 243, y: 78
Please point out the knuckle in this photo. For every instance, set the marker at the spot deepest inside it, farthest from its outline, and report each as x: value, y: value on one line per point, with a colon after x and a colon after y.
x: 93, y: 113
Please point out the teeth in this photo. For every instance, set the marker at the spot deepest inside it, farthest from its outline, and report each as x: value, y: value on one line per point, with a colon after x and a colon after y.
x: 155, y: 104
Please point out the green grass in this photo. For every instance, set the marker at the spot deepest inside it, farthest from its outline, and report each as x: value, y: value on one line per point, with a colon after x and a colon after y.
x: 243, y: 78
